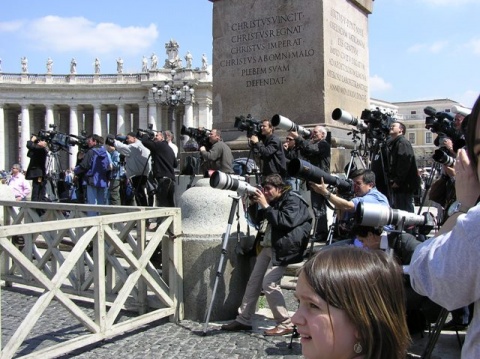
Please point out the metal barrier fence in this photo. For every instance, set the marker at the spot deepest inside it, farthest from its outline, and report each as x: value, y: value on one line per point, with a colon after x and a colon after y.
x: 105, y: 260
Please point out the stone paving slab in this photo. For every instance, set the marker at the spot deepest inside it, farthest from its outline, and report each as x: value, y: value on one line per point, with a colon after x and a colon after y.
x: 164, y: 339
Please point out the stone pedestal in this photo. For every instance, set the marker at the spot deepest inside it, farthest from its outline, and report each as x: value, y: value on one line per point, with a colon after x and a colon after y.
x: 297, y: 58
x: 205, y: 215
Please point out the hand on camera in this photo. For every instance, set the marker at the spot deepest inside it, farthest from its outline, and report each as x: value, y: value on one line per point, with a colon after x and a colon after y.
x: 202, y: 149
x: 320, y: 188
x: 293, y: 134
x: 254, y: 139
x: 467, y: 187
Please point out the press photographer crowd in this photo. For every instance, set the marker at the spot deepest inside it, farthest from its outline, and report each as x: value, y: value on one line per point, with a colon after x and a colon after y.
x: 386, y: 267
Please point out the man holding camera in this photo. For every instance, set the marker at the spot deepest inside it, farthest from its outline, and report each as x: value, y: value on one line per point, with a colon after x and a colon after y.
x: 285, y: 225
x: 137, y: 165
x: 317, y: 152
x: 365, y: 192
x: 164, y: 162
x: 270, y: 150
x: 36, y: 170
x: 219, y: 157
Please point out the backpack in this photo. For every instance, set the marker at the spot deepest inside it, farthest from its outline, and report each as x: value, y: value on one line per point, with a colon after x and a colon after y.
x: 191, y: 166
x: 100, y: 168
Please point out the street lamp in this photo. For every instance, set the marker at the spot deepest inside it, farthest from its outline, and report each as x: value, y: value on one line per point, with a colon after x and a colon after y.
x: 172, y: 96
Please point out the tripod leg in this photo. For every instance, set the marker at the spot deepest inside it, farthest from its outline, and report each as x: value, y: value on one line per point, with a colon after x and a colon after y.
x: 442, y: 317
x: 222, y: 258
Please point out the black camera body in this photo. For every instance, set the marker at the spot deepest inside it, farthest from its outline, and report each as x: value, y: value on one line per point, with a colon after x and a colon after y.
x: 110, y: 140
x: 249, y: 124
x: 378, y: 123
x: 442, y: 156
x: 149, y: 131
x: 200, y: 135
x: 54, y: 139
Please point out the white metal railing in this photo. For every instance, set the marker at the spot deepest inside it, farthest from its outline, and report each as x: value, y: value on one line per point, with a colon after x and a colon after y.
x: 106, y: 259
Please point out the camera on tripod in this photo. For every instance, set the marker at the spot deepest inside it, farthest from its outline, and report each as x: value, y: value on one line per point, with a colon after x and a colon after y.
x: 302, y: 169
x: 377, y: 215
x: 200, y: 135
x: 378, y: 122
x: 55, y: 140
x: 249, y: 124
x: 346, y: 118
x: 221, y: 180
x: 288, y: 125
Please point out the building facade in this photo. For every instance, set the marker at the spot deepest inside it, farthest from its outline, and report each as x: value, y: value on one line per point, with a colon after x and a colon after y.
x: 97, y: 103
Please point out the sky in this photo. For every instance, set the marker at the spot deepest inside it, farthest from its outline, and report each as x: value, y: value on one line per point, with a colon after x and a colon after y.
x: 419, y: 49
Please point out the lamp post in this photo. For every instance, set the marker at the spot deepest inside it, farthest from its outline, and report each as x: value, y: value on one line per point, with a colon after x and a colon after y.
x: 172, y: 96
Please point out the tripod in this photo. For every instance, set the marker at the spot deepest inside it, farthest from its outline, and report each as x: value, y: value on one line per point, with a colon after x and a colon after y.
x: 219, y: 273
x: 53, y: 170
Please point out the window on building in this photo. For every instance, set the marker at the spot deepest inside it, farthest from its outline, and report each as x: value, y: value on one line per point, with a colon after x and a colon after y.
x: 413, y: 112
x: 411, y: 137
x: 428, y: 138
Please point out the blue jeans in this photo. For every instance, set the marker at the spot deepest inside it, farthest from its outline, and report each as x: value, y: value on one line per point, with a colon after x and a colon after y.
x: 96, y: 195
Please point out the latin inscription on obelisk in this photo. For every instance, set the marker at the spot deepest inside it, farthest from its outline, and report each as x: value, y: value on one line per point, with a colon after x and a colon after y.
x: 297, y: 58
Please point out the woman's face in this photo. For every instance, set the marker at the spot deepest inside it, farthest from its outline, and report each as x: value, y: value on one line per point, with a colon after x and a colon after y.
x: 323, y: 335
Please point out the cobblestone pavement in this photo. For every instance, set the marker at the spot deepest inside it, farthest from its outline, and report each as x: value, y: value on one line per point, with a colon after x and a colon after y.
x: 163, y: 339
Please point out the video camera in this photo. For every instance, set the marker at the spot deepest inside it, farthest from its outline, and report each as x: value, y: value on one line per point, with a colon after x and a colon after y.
x: 221, y: 180
x: 376, y: 215
x: 286, y: 124
x: 443, y: 123
x: 302, y: 169
x: 149, y: 131
x: 80, y: 141
x: 55, y: 140
x: 200, y: 135
x: 249, y: 124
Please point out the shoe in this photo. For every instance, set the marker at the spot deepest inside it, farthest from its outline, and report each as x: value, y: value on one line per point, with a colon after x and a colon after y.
x: 236, y: 326
x: 278, y: 331
x: 454, y: 326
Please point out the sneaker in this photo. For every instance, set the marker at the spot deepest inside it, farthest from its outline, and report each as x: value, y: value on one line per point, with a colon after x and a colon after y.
x: 454, y: 326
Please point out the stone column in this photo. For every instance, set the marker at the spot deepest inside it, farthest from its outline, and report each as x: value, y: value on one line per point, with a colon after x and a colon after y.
x: 24, y: 135
x: 97, y: 125
x: 204, y: 116
x: 188, y: 120
x: 121, y: 119
x: 49, y: 118
x: 73, y: 128
x: 152, y: 114
x: 2, y: 136
x: 143, y: 116
x: 104, y: 122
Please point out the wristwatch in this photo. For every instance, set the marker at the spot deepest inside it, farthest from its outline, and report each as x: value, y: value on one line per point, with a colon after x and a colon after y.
x: 457, y: 207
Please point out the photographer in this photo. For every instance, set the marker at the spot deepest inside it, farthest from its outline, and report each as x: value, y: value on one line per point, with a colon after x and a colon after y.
x: 446, y: 268
x: 317, y: 152
x: 219, y: 157
x: 137, y: 165
x: 403, y: 173
x: 364, y: 189
x: 36, y: 170
x: 95, y: 165
x: 291, y: 151
x: 164, y: 162
x: 285, y: 223
x: 270, y: 150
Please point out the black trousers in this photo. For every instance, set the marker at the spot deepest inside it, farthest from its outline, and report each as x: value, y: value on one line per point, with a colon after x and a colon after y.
x: 139, y: 189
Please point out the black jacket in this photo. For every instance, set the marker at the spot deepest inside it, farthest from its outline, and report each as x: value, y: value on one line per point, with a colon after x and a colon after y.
x: 163, y: 157
x: 271, y: 152
x: 402, y: 165
x: 290, y: 222
x: 317, y: 153
x: 38, y: 159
